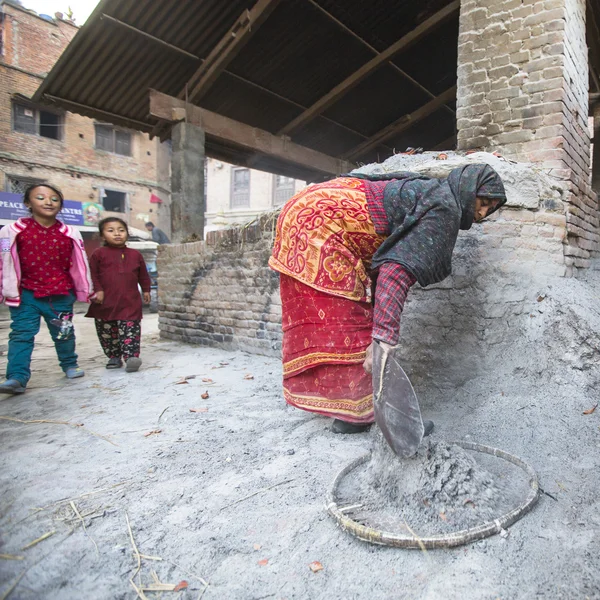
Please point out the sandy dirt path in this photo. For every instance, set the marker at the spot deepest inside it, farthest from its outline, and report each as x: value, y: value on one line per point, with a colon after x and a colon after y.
x: 233, y: 495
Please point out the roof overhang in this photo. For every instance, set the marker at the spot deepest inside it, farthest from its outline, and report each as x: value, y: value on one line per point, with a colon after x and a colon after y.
x: 304, y: 88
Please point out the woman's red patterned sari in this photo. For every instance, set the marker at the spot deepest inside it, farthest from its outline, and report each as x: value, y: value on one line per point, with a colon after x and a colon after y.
x: 324, y: 243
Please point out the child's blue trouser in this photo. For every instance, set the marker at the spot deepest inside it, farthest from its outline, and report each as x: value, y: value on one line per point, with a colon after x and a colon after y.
x: 25, y: 326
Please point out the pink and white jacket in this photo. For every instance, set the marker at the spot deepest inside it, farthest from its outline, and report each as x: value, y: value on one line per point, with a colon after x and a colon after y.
x: 10, y: 266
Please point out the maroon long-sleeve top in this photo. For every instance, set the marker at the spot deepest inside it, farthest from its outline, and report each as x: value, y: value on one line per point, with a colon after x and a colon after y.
x: 117, y: 272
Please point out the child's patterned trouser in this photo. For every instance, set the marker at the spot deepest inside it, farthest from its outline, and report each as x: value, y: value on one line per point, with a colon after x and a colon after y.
x: 119, y: 339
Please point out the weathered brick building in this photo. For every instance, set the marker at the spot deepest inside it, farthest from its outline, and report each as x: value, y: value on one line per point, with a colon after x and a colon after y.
x: 90, y: 160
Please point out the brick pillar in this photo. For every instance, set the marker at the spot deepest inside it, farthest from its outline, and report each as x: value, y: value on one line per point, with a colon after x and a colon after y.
x: 523, y: 91
x: 187, y: 182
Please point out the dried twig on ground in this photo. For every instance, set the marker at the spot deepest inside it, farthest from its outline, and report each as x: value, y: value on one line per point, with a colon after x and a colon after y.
x: 153, y: 432
x: 38, y: 540
x: 9, y: 591
x: 138, y: 558
x: 10, y: 557
x: 78, y: 514
x: 33, y: 564
x: 161, y: 414
x: 51, y: 422
x: 256, y: 493
x: 92, y: 493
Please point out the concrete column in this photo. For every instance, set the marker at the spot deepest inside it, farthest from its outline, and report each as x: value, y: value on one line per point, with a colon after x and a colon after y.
x: 187, y: 182
x: 523, y: 91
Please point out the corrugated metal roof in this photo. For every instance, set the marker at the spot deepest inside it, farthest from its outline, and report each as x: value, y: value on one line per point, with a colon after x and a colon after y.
x: 302, y: 50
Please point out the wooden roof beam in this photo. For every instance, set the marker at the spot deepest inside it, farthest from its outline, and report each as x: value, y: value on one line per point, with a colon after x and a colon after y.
x: 227, y: 49
x: 353, y: 80
x: 402, y: 124
x: 170, y: 109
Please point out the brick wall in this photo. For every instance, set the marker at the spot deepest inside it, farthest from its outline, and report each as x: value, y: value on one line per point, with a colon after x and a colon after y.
x: 221, y: 292
x: 31, y: 42
x: 523, y: 91
x: 72, y: 163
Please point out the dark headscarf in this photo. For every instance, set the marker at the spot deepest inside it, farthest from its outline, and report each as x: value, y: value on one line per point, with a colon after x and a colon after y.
x: 425, y: 214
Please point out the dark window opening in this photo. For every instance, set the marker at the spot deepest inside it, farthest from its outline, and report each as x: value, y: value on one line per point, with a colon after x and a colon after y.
x: 114, y: 201
x: 49, y: 125
x: 113, y: 140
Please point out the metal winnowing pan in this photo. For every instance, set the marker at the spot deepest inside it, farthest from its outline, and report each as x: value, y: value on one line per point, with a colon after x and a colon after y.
x: 396, y: 406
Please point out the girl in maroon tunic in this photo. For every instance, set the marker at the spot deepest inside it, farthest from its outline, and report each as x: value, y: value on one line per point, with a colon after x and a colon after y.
x: 117, y: 308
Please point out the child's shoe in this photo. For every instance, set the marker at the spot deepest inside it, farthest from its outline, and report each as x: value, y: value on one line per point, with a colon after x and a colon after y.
x: 133, y: 364
x: 74, y: 372
x: 114, y: 363
x: 12, y: 386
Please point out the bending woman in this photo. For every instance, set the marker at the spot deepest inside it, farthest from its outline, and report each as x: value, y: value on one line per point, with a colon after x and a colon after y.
x: 348, y: 251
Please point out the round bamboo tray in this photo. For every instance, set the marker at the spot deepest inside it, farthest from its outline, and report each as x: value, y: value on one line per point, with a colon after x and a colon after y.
x: 448, y: 540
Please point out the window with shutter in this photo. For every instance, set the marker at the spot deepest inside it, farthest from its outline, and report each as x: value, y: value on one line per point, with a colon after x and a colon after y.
x: 24, y: 119
x: 104, y: 137
x: 283, y: 189
x: 240, y: 188
x: 123, y: 142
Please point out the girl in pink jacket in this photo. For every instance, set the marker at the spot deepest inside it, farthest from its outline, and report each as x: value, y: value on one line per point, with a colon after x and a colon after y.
x: 43, y: 271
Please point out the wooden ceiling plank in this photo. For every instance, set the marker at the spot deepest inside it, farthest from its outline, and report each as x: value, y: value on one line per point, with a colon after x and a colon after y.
x: 395, y: 67
x: 227, y: 49
x: 148, y: 36
x: 168, y: 108
x: 353, y: 80
x: 402, y: 124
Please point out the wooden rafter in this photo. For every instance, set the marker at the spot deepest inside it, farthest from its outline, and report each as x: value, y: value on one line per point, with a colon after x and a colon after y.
x: 171, y: 109
x: 227, y: 49
x: 402, y: 124
x: 366, y: 44
x: 350, y: 82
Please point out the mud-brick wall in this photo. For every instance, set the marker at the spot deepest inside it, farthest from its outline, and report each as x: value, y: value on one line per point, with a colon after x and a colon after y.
x: 221, y: 292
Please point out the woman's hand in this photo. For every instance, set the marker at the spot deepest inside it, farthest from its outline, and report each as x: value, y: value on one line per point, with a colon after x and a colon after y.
x: 99, y: 298
x: 146, y: 297
x: 368, y: 364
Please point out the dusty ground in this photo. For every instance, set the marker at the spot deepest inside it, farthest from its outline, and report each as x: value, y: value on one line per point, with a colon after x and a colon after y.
x: 235, y: 495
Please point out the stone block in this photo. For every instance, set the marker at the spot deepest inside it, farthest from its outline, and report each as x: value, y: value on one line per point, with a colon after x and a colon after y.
x: 512, y: 137
x: 510, y: 92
